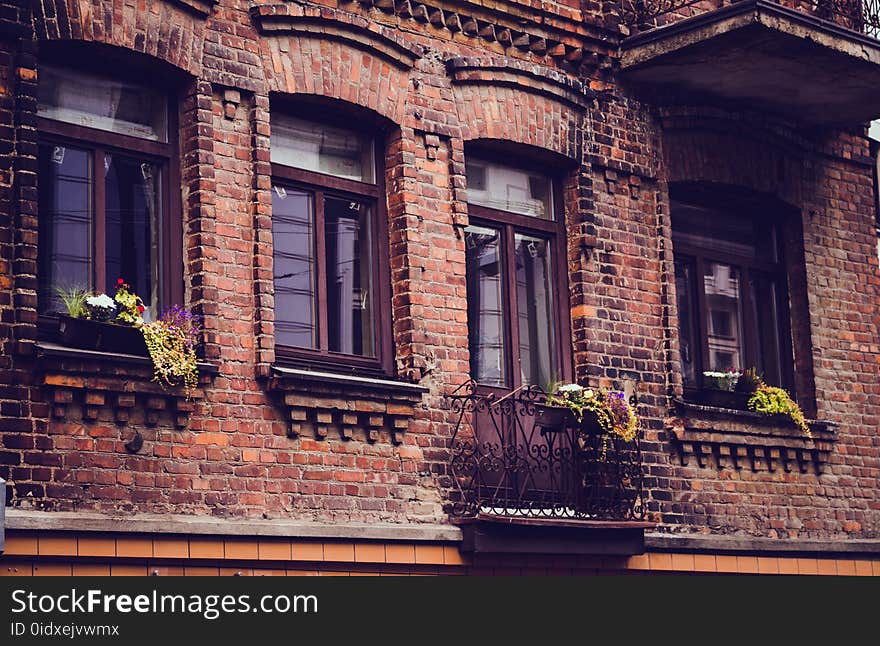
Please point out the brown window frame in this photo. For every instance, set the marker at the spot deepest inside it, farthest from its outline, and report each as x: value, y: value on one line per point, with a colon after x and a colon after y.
x: 697, y: 257
x: 166, y: 156
x: 509, y: 224
x: 320, y: 184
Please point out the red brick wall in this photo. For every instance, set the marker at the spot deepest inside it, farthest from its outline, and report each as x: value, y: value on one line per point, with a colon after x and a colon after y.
x: 616, y: 157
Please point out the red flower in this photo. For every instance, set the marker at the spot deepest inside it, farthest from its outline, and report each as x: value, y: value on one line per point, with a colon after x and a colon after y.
x: 120, y: 282
x: 140, y: 309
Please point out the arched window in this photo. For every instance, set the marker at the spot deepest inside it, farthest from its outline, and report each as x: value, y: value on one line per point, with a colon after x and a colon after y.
x: 331, y: 302
x: 515, y: 275
x: 107, y: 165
x: 732, y: 290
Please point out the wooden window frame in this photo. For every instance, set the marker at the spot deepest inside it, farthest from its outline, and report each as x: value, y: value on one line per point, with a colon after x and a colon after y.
x: 166, y: 155
x: 320, y: 184
x: 697, y: 257
x: 508, y: 224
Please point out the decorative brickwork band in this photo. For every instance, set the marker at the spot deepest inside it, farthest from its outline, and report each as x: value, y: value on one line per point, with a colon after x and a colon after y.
x: 745, y: 440
x: 318, y: 404
x: 327, y: 23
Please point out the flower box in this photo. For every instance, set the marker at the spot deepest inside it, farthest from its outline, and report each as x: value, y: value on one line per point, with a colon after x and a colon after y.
x: 720, y: 398
x: 553, y: 418
x: 100, y: 336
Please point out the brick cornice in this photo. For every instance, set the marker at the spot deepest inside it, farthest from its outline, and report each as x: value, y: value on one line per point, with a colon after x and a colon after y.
x: 200, y: 7
x: 328, y: 23
x: 524, y: 76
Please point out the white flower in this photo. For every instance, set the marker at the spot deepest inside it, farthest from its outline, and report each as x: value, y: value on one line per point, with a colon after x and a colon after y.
x: 589, y: 394
x: 103, y: 301
x: 570, y: 388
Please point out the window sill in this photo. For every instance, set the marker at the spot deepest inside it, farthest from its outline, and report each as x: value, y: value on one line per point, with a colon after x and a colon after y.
x: 320, y: 402
x: 95, y: 381
x: 728, y: 437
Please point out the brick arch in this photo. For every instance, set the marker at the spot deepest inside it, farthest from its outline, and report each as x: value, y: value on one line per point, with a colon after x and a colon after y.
x: 513, y: 101
x: 508, y: 114
x: 171, y: 30
x: 301, y: 64
x: 752, y: 160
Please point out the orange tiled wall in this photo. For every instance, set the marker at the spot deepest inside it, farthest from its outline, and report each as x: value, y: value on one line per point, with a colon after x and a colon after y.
x: 33, y: 553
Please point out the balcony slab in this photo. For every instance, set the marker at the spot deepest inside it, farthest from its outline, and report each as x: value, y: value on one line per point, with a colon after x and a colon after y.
x: 758, y: 55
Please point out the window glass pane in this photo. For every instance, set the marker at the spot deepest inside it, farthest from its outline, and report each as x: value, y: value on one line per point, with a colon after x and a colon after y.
x: 685, y: 288
x: 349, y: 276
x: 313, y: 146
x: 723, y: 316
x: 765, y: 303
x: 132, y: 198
x: 485, y: 306
x: 509, y: 189
x: 534, y: 301
x: 106, y: 104
x: 65, y: 223
x: 294, y: 267
x: 710, y: 229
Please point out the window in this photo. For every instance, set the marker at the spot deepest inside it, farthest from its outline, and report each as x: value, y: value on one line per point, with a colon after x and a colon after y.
x: 105, y: 158
x: 514, y: 250
x: 732, y: 293
x: 327, y: 225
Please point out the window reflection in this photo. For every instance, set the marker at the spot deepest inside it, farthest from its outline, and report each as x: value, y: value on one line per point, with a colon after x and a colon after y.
x: 534, y: 300
x: 104, y: 104
x: 485, y: 317
x: 131, y: 197
x: 721, y: 283
x: 349, y: 270
x: 509, y: 189
x: 65, y: 223
x: 294, y: 267
x: 299, y: 143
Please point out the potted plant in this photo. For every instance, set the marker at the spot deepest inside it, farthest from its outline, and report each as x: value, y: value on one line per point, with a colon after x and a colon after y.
x: 599, y: 411
x: 117, y: 325
x: 99, y: 322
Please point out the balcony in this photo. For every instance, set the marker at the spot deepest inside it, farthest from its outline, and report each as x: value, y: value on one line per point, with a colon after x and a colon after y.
x: 815, y: 62
x: 525, y: 483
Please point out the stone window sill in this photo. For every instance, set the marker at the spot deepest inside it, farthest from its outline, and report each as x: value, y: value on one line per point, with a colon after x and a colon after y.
x: 93, y: 381
x: 318, y: 403
x: 732, y: 438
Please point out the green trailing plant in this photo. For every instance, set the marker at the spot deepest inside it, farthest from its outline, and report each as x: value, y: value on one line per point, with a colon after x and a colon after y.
x: 770, y: 400
x: 171, y: 341
x: 613, y: 413
x: 74, y: 299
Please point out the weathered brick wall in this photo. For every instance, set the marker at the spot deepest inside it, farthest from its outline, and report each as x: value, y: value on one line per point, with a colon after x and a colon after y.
x: 827, y: 178
x: 435, y: 81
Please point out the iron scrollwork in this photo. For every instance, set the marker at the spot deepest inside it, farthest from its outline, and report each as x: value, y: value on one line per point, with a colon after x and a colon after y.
x: 858, y: 15
x: 505, y: 462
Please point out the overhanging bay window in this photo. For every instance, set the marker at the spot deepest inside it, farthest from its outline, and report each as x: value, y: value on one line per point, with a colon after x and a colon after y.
x: 515, y: 277
x: 327, y: 225
x: 105, y: 160
x: 732, y: 293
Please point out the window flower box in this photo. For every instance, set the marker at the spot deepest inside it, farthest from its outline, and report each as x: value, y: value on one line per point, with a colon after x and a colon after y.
x: 98, y: 335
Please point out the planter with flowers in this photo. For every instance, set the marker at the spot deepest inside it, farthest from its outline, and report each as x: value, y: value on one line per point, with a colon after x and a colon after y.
x: 596, y: 412
x: 99, y: 322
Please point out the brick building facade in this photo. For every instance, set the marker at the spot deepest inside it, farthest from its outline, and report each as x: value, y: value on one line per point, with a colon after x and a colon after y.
x: 320, y: 437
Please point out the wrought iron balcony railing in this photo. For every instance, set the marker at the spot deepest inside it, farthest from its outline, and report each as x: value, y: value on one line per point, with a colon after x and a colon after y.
x: 862, y: 16
x: 509, y: 460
